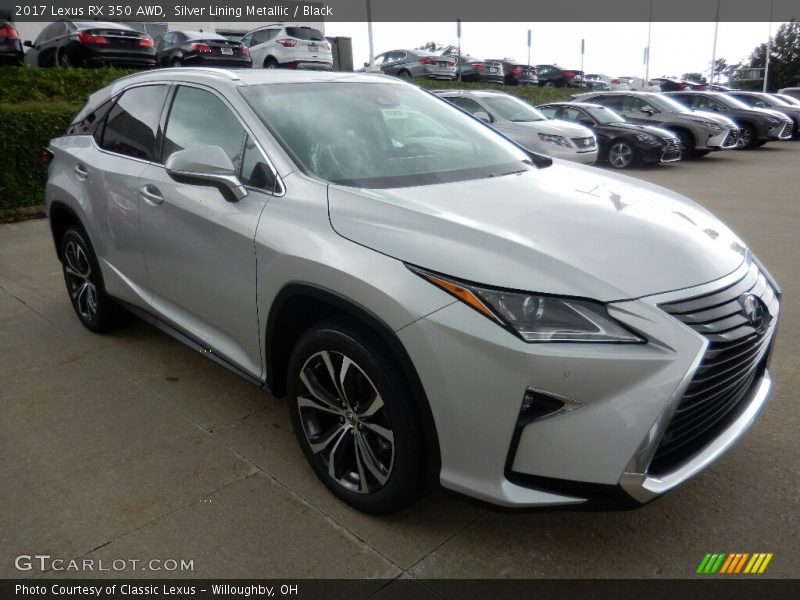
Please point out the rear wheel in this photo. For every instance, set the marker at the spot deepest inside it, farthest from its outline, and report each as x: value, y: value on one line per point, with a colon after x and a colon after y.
x: 270, y: 63
x: 354, y: 418
x: 64, y: 59
x: 404, y: 74
x: 621, y: 154
x: 176, y: 62
x: 95, y: 309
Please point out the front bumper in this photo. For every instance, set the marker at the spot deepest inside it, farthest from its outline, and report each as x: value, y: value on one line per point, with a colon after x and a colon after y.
x: 624, y: 396
x: 728, y: 139
x: 781, y: 132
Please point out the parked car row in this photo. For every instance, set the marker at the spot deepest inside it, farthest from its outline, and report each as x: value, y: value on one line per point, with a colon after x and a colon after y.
x: 69, y: 43
x: 630, y: 128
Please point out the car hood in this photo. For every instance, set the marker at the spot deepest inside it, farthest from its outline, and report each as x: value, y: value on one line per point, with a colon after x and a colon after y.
x: 555, y: 127
x: 702, y: 115
x: 771, y: 112
x: 635, y: 128
x: 566, y: 229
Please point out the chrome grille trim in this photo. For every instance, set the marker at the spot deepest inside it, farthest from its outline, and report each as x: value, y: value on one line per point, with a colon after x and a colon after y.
x: 733, y: 364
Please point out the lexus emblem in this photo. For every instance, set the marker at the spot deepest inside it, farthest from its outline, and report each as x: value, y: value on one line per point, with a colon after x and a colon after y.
x: 754, y: 311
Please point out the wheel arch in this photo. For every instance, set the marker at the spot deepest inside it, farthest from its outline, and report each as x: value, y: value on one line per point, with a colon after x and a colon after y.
x: 62, y: 217
x: 299, y: 306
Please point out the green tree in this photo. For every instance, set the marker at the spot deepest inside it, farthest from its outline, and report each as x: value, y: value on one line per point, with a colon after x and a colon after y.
x: 784, y: 57
x: 695, y: 77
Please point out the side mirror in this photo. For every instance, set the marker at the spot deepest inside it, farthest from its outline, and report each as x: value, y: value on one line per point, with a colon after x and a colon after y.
x: 586, y: 122
x: 647, y: 110
x: 207, y: 164
x: 760, y: 104
x: 28, y: 44
x: 483, y: 116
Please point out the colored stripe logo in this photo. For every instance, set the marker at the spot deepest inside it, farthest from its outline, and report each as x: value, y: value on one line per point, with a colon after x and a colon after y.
x: 734, y: 563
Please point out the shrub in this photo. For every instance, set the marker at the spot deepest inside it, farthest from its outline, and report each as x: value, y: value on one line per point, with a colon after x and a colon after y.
x: 25, y: 84
x: 27, y: 129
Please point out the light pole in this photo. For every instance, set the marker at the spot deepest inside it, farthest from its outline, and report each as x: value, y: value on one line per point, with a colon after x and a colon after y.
x: 529, y: 56
x: 647, y: 49
x: 458, y: 35
x: 583, y: 49
x: 371, y: 66
x: 714, y: 49
x: 769, y: 47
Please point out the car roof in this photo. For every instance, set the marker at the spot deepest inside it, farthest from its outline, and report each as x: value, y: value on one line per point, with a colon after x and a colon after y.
x: 200, y: 34
x: 101, y: 25
x: 478, y: 93
x: 576, y: 104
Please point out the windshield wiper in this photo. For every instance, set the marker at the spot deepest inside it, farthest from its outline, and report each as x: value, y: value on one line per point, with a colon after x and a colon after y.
x: 507, y: 173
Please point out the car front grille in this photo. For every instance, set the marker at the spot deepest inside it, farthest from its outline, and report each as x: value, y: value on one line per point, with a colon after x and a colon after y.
x: 733, y: 363
x: 584, y: 143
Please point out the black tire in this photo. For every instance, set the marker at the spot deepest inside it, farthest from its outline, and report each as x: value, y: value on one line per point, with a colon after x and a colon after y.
x: 747, y: 135
x: 700, y: 153
x: 64, y: 59
x: 176, y: 62
x: 271, y: 63
x: 759, y: 144
x: 370, y: 472
x: 687, y: 142
x: 622, y: 154
x: 94, y: 308
x: 405, y: 74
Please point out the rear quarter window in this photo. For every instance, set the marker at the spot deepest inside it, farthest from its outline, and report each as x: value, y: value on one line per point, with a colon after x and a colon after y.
x: 132, y: 124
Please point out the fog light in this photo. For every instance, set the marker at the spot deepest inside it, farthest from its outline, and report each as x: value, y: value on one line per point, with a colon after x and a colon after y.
x: 537, y: 404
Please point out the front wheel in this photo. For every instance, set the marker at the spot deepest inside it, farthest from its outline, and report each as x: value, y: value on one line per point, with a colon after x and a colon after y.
x: 747, y: 137
x: 354, y: 418
x: 621, y: 154
x: 95, y: 309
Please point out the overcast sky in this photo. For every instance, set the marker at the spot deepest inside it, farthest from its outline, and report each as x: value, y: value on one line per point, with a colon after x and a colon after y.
x: 615, y: 49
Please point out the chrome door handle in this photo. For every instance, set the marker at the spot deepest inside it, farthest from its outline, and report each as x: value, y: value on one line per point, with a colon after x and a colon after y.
x: 151, y: 194
x: 81, y: 172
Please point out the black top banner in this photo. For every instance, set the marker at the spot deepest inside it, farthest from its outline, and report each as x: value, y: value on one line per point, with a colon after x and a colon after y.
x: 406, y: 11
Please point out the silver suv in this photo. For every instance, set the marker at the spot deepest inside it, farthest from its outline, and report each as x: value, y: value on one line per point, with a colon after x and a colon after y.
x: 700, y: 132
x: 436, y: 303
x: 290, y: 47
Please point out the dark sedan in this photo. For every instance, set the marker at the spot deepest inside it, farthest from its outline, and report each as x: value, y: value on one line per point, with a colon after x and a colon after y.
x: 91, y: 43
x: 553, y: 76
x: 197, y: 48
x: 758, y: 126
x: 515, y: 73
x: 10, y: 45
x: 621, y: 144
x: 468, y: 68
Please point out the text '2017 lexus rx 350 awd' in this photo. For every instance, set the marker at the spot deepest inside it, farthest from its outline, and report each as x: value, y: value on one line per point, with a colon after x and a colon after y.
x: 436, y: 303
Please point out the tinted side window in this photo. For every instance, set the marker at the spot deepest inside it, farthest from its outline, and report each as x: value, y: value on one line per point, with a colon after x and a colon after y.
x: 198, y: 118
x: 132, y: 125
x: 255, y: 170
x: 92, y: 123
x: 468, y: 105
x: 614, y: 102
x: 548, y: 111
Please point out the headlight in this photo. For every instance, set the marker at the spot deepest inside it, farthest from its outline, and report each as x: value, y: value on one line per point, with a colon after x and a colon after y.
x: 711, y: 125
x: 537, y: 317
x: 554, y: 139
x: 646, y: 138
x: 772, y: 121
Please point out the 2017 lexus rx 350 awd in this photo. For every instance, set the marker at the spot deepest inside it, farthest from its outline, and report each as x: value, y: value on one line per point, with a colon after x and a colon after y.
x: 436, y: 303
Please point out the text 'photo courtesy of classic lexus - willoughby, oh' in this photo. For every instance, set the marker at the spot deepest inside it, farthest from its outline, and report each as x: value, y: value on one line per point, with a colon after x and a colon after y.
x: 438, y: 308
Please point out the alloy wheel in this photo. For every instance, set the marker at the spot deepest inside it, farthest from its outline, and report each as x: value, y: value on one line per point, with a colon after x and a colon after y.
x: 745, y: 137
x: 80, y: 280
x: 345, y: 422
x: 620, y: 155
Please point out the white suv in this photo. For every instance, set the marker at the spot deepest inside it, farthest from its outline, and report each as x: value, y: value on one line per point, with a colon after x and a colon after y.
x: 290, y: 47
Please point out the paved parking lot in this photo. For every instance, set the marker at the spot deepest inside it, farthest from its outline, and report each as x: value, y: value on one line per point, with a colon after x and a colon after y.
x: 132, y: 446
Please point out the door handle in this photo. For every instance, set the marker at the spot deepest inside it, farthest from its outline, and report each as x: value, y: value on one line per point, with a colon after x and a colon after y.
x: 151, y: 194
x: 81, y: 172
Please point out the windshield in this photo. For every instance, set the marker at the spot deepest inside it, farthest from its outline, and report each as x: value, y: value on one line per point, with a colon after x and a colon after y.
x: 730, y: 101
x: 512, y: 109
x: 378, y: 135
x: 603, y: 115
x: 666, y: 103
